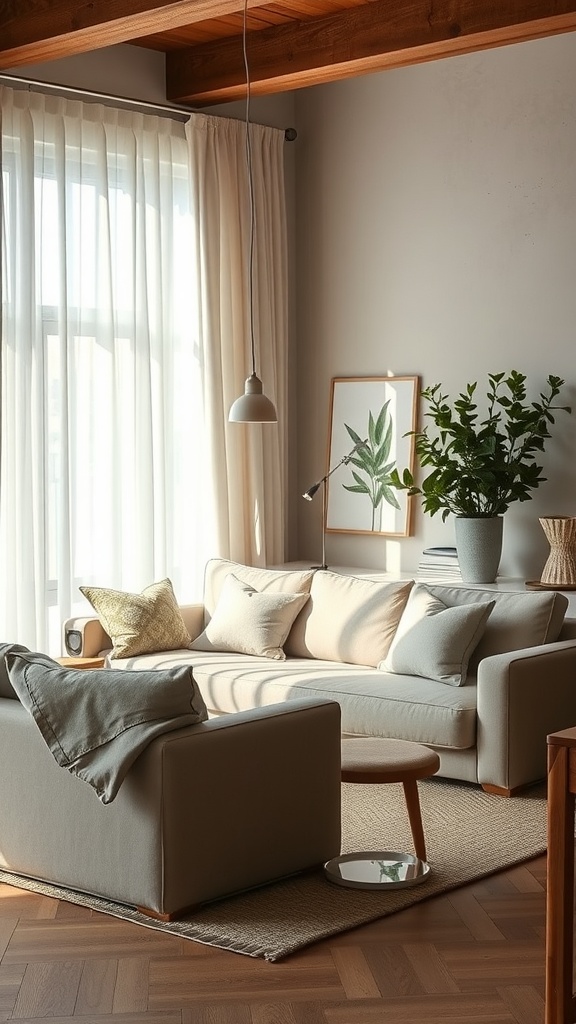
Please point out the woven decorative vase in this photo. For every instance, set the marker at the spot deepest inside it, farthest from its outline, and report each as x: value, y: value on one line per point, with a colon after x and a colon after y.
x: 560, y: 568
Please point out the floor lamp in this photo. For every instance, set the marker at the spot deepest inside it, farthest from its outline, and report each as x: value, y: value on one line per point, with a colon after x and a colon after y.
x: 309, y: 494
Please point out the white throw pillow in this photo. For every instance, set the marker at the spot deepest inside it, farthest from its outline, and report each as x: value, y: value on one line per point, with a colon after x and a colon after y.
x: 246, y: 621
x: 348, y: 619
x: 435, y: 641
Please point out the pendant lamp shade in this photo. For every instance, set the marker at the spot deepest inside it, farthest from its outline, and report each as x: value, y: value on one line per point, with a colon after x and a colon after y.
x: 252, y: 406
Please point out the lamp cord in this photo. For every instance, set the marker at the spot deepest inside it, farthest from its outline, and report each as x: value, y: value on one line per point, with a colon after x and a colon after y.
x: 250, y: 187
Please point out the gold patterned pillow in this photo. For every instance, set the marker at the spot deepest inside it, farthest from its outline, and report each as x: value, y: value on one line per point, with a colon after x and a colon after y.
x: 140, y: 623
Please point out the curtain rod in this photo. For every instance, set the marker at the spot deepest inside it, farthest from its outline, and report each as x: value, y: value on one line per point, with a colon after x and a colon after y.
x: 290, y: 134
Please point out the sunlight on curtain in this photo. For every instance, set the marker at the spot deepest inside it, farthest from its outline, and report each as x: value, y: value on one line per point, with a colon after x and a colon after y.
x: 104, y: 455
x: 249, y: 459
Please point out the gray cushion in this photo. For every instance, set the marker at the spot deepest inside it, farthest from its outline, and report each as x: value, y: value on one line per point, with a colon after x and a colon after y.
x: 434, y: 641
x: 517, y: 620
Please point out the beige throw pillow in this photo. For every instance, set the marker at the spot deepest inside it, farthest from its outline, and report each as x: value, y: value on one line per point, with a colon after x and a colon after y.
x: 435, y: 641
x: 140, y: 623
x: 277, y: 581
x: 246, y: 621
x: 348, y: 619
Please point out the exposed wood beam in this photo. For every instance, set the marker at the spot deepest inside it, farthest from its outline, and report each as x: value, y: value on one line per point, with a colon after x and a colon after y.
x: 382, y: 34
x: 38, y: 30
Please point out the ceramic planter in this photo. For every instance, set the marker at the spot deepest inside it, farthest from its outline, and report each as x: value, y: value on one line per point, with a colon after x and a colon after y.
x: 479, y: 546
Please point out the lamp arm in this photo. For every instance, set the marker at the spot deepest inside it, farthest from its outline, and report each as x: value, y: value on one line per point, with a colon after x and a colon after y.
x: 309, y: 494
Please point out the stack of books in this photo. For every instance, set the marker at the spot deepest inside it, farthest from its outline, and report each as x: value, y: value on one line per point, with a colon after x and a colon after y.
x: 439, y: 564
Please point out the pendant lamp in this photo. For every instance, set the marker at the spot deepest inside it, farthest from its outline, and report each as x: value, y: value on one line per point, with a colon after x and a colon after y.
x: 253, y: 406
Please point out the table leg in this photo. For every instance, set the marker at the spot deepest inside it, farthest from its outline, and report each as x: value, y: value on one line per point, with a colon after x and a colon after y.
x: 560, y: 889
x: 415, y: 817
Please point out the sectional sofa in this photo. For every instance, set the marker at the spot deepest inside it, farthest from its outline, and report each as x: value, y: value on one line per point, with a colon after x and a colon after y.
x: 480, y: 676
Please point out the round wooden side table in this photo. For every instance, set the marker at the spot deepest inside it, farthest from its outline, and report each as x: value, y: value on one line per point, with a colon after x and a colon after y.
x: 376, y: 761
x: 81, y: 662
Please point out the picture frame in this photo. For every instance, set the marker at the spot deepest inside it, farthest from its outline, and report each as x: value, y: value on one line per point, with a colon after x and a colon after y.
x: 380, y: 411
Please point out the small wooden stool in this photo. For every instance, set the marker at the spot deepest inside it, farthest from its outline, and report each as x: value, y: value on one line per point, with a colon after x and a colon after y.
x: 373, y: 760
x: 370, y: 761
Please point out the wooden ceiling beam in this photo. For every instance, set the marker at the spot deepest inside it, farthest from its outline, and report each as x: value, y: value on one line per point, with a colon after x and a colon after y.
x: 39, y: 30
x: 360, y: 40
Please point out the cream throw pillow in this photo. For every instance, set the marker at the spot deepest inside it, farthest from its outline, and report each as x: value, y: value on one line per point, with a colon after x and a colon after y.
x: 246, y: 621
x: 435, y: 641
x: 277, y: 581
x: 348, y: 619
x: 140, y: 623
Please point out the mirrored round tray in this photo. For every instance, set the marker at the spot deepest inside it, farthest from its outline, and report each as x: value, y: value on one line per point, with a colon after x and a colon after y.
x: 377, y: 869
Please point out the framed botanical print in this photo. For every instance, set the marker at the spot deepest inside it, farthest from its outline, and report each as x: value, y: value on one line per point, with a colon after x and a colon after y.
x: 370, y: 423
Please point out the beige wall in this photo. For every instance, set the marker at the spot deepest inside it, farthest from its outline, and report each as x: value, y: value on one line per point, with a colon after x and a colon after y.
x: 436, y: 226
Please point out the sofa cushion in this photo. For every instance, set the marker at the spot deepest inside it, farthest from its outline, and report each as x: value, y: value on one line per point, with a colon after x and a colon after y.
x: 348, y: 619
x: 517, y: 620
x: 138, y: 623
x: 435, y: 641
x: 250, y: 622
x: 281, y: 581
x: 373, y: 703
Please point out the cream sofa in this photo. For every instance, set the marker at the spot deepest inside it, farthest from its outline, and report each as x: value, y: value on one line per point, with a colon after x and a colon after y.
x: 351, y: 643
x: 193, y: 817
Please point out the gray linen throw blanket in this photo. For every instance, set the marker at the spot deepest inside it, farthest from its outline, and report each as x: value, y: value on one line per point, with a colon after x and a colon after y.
x: 97, y: 721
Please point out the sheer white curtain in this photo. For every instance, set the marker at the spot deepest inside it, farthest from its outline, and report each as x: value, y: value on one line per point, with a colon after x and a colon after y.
x: 248, y: 459
x: 104, y: 454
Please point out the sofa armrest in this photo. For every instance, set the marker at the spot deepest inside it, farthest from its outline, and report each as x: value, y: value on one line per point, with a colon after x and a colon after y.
x: 193, y: 615
x: 247, y: 798
x: 83, y: 636
x: 522, y: 697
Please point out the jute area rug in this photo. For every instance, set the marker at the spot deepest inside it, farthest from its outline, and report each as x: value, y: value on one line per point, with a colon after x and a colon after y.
x: 468, y: 835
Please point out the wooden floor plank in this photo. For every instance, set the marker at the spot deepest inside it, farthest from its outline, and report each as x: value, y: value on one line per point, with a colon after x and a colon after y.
x: 525, y: 1002
x: 102, y: 936
x: 183, y: 982
x: 438, y: 1009
x: 225, y: 1013
x: 357, y: 979
x: 8, y: 926
x: 481, y: 926
x: 524, y: 880
x: 48, y: 989
x: 96, y: 990
x: 131, y: 989
x: 430, y: 968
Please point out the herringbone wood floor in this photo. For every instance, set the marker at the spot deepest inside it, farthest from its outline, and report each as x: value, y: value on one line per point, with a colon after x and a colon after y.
x: 473, y: 956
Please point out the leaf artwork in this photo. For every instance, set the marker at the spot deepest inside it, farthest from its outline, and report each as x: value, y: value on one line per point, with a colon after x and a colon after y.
x: 373, y: 468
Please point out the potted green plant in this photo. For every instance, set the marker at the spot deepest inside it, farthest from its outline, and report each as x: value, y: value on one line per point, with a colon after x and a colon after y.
x: 480, y: 463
